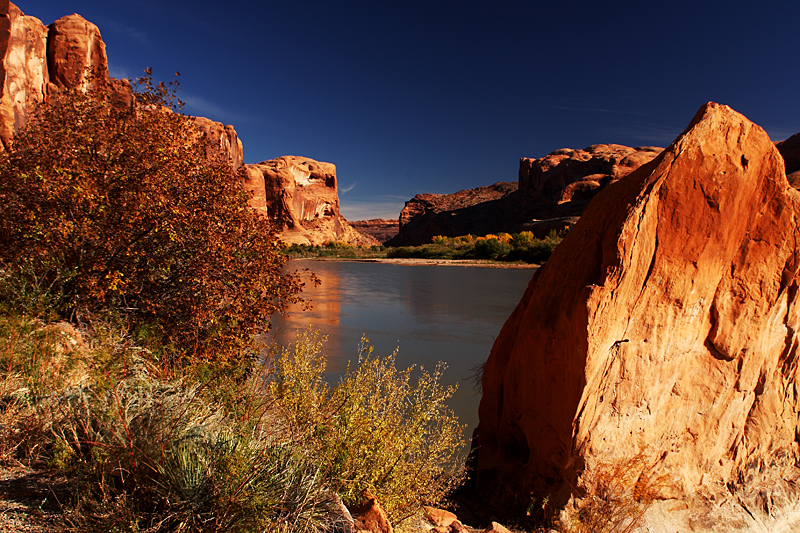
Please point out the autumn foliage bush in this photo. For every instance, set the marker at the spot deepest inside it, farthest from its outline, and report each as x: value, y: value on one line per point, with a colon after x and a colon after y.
x: 107, y: 207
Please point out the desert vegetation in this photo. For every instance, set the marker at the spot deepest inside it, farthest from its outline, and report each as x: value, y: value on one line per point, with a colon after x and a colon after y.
x: 523, y: 246
x: 503, y: 247
x: 134, y: 283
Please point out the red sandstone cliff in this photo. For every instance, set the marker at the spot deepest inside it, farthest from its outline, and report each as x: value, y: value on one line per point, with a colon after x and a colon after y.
x: 551, y: 192
x: 665, y: 328
x: 23, y: 48
x: 36, y: 59
x: 301, y: 196
x: 380, y: 229
x: 298, y: 193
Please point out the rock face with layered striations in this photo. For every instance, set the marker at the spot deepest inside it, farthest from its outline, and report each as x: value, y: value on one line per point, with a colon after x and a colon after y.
x: 663, y: 334
x: 301, y: 196
x: 23, y: 71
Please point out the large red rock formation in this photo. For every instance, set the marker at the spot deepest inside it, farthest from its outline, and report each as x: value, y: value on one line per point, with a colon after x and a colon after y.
x: 301, y: 195
x: 75, y: 50
x: 565, y: 174
x: 379, y: 229
x: 663, y: 334
x: 551, y: 192
x: 23, y: 68
x: 37, y: 60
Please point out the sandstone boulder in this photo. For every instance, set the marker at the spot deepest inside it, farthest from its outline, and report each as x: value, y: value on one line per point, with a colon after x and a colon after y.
x: 370, y: 517
x: 301, y: 195
x: 23, y: 72
x: 662, y: 334
x: 439, y: 517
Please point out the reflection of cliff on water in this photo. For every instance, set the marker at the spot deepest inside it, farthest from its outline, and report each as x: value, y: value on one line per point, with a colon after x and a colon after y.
x: 325, y: 302
x: 432, y: 313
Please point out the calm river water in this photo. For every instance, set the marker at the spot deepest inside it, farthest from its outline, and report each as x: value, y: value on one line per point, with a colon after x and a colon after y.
x: 431, y: 313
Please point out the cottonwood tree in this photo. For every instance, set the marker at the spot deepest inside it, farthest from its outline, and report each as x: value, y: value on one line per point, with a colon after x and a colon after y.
x: 108, y: 206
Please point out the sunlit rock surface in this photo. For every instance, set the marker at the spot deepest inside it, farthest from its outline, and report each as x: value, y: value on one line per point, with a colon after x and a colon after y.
x: 23, y: 49
x: 664, y: 328
x: 301, y: 195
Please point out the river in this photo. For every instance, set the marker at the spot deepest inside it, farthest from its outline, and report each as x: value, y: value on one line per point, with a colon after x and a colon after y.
x: 431, y: 313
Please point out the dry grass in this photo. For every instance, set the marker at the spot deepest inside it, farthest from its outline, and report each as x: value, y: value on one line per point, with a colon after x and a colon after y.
x: 616, y: 496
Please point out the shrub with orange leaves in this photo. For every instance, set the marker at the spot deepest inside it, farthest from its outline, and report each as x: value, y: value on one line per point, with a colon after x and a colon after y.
x: 107, y: 207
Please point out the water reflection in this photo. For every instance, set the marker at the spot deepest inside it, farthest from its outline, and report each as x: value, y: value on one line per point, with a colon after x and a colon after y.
x: 432, y: 313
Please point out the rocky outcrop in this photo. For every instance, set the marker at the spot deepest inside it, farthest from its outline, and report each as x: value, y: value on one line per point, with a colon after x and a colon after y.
x: 69, y: 53
x: 37, y: 60
x: 23, y: 49
x: 479, y: 211
x: 223, y: 141
x: 550, y: 190
x: 301, y: 195
x: 379, y: 229
x: 663, y: 335
x: 566, y: 175
x: 75, y: 52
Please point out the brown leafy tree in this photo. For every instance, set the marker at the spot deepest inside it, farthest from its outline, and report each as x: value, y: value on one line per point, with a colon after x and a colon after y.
x: 106, y: 206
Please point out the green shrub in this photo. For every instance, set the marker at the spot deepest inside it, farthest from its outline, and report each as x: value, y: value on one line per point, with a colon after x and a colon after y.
x: 491, y: 248
x: 380, y: 429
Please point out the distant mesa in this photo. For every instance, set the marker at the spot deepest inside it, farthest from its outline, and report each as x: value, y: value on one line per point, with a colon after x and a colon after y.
x: 380, y: 229
x: 551, y: 193
x: 661, y: 338
x: 301, y: 196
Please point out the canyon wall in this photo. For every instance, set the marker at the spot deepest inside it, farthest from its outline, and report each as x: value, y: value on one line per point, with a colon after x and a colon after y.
x: 301, y: 196
x: 36, y: 59
x: 661, y: 337
x: 551, y: 193
x: 380, y: 229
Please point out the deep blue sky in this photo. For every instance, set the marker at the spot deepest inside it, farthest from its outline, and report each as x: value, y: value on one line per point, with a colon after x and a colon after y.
x: 411, y: 97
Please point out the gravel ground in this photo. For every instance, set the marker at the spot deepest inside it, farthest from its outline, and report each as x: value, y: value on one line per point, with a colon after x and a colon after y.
x: 29, y: 501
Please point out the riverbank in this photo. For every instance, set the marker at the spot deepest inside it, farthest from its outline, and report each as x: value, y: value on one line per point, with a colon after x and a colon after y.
x: 429, y: 262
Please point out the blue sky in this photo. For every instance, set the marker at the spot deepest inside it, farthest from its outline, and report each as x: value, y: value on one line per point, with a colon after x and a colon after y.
x: 411, y: 97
